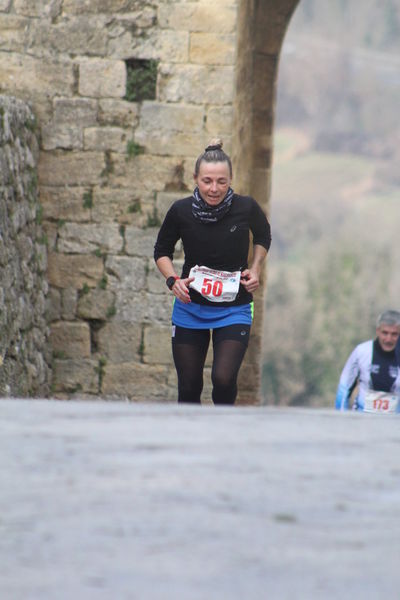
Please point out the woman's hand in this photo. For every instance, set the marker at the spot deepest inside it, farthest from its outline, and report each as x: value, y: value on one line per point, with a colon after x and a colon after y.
x: 180, y: 289
x: 250, y: 279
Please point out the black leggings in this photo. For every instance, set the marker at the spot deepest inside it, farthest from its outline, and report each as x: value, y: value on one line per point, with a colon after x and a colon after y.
x: 189, y: 349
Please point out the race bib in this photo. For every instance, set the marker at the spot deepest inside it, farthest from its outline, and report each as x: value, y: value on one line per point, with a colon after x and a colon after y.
x: 382, y: 402
x: 216, y: 286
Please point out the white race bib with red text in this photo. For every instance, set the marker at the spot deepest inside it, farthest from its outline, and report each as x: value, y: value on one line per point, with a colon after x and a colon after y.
x: 216, y: 286
x: 382, y: 402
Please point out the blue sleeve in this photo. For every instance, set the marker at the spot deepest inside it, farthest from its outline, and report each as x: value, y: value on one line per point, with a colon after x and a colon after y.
x: 347, y: 381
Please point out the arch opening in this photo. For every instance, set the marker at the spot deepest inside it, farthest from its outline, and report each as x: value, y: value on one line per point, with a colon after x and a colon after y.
x: 334, y: 196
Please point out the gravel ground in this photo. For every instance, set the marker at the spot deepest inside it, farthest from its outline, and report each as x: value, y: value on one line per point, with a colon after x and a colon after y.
x: 151, y: 502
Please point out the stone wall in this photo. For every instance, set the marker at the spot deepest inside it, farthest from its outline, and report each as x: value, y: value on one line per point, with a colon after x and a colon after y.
x: 112, y: 162
x: 24, y: 352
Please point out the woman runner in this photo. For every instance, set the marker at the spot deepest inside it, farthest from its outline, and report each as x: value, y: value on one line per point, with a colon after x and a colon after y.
x: 214, y: 290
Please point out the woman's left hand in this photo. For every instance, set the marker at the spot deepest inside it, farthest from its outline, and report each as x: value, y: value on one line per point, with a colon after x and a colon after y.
x: 250, y: 280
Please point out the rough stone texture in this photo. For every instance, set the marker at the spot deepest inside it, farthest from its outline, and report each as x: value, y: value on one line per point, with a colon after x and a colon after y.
x: 211, y: 48
x: 135, y: 381
x: 65, y: 203
x: 157, y: 345
x: 24, y: 355
x: 128, y: 501
x: 102, y: 79
x: 5, y: 4
x: 27, y: 76
x: 111, y: 165
x: 70, y: 340
x: 120, y: 342
x: 77, y: 238
x: 96, y: 304
x: 76, y: 375
x: 74, y: 271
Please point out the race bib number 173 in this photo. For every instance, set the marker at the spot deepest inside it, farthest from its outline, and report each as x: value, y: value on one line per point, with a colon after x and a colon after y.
x: 382, y: 402
x: 216, y: 286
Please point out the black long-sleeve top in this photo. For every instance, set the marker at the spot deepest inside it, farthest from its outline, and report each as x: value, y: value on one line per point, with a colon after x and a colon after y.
x: 223, y: 245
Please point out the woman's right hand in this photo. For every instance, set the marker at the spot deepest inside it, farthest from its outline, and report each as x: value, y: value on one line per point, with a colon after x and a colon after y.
x: 180, y: 289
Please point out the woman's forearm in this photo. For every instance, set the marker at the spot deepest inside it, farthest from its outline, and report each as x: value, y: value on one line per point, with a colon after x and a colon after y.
x: 166, y: 267
x: 259, y: 254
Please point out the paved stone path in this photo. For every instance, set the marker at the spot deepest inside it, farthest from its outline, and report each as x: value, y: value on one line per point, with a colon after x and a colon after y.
x: 152, y: 502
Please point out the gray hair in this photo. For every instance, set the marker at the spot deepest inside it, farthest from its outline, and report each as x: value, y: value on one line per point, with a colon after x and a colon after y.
x: 213, y: 153
x: 389, y: 317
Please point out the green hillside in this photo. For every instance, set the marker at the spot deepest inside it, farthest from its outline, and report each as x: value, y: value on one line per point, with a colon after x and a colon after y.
x: 332, y: 268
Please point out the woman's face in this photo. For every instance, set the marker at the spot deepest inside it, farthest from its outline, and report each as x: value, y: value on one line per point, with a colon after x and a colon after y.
x: 213, y: 181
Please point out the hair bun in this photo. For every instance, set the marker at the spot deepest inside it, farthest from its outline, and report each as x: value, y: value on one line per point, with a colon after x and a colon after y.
x: 215, y: 144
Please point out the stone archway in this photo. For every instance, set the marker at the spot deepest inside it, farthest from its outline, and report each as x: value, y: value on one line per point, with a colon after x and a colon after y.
x: 261, y: 29
x: 111, y: 163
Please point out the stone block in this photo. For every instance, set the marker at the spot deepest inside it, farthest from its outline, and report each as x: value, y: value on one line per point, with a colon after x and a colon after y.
x: 219, y: 121
x: 140, y: 242
x: 74, y: 271
x: 38, y: 8
x: 41, y: 105
x: 164, y: 45
x: 13, y: 32
x: 74, y: 375
x: 188, y: 165
x: 212, y: 48
x: 143, y: 174
x: 165, y: 200
x: 118, y: 112
x: 161, y: 142
x: 119, y: 205
x: 61, y: 136
x: 85, y: 36
x: 157, y: 345
x: 215, y: 17
x: 82, y: 238
x: 131, y: 307
x: 96, y: 304
x: 159, y: 308
x: 182, y: 143
x: 53, y: 305
x: 82, y: 112
x: 135, y: 381
x: 159, y: 116
x: 126, y: 274
x: 120, y: 342
x: 66, y: 203
x: 69, y: 299
x: 155, y: 281
x: 70, y: 339
x: 26, y: 75
x: 105, y: 138
x: 58, y: 168
x: 51, y: 232
x: 102, y: 78
x: 5, y: 5
x: 82, y: 7
x: 197, y: 84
